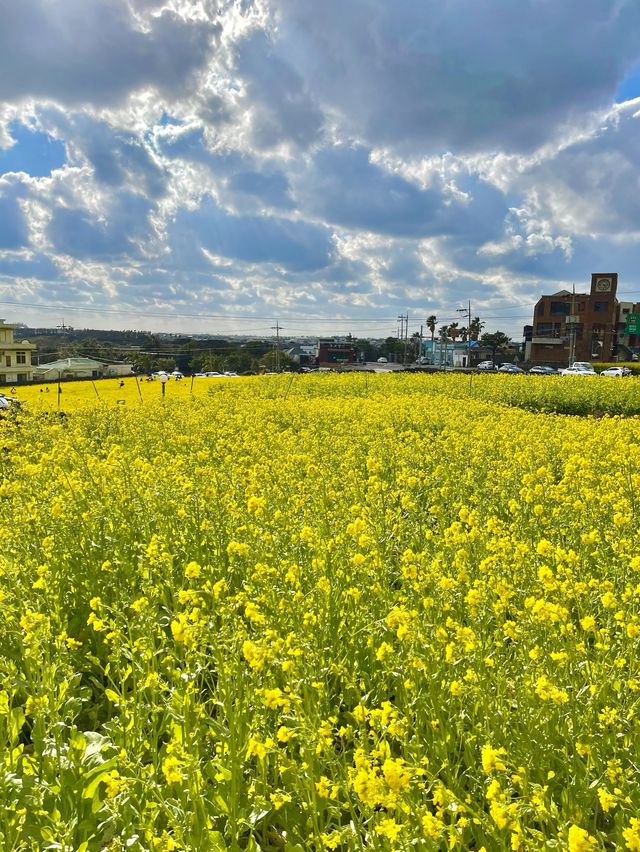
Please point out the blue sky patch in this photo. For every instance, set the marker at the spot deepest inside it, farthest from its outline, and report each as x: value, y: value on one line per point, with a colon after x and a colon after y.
x: 35, y: 153
x: 630, y: 86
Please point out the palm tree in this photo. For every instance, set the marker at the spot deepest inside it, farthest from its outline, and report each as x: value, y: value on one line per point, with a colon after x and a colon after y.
x: 416, y: 339
x: 454, y: 330
x: 432, y: 321
x: 475, y: 327
x: 496, y: 341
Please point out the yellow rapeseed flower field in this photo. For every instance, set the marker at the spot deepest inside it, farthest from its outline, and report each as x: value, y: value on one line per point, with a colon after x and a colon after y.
x: 321, y: 612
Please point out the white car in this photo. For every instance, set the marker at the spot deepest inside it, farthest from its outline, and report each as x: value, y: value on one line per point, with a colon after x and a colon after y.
x: 486, y: 365
x: 577, y: 371
x: 382, y: 360
x: 616, y: 371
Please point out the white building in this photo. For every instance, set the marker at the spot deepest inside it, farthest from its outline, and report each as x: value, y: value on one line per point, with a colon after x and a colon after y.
x: 79, y: 368
x: 15, y: 358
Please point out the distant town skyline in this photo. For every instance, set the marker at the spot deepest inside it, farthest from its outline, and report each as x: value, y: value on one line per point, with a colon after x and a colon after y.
x: 217, y: 167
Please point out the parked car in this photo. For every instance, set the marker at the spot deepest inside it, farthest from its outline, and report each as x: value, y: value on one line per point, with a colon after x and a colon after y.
x: 509, y: 368
x: 486, y: 365
x: 577, y: 371
x: 382, y: 360
x: 587, y: 366
x: 616, y: 371
x: 177, y: 374
x: 544, y: 371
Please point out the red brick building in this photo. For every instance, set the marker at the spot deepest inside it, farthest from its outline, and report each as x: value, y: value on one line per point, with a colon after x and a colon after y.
x: 334, y: 354
x: 579, y: 327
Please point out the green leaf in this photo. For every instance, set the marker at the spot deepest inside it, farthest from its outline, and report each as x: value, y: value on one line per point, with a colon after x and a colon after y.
x: 220, y: 802
x: 102, y: 773
x: 216, y: 841
x: 78, y: 743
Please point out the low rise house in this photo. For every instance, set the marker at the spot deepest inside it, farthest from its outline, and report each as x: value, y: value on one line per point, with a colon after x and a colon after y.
x: 79, y: 368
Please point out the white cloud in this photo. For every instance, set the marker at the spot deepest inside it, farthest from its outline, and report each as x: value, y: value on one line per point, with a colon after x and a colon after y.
x: 295, y: 157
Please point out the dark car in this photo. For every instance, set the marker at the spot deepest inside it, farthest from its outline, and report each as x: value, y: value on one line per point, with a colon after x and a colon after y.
x: 544, y: 371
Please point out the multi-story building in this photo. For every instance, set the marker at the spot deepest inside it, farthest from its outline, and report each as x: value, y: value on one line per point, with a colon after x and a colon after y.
x: 15, y: 358
x: 578, y: 326
x: 334, y: 354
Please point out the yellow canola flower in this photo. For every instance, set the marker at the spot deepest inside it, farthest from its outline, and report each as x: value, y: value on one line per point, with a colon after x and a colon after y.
x: 379, y: 592
x: 580, y: 840
x: 172, y: 769
x: 631, y: 835
x: 492, y: 759
x: 548, y: 692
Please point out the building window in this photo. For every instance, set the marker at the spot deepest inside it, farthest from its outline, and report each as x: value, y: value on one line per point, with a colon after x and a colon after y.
x: 601, y: 307
x: 626, y: 310
x: 544, y: 329
x: 21, y: 357
x: 7, y: 360
x: 22, y: 377
x: 560, y: 308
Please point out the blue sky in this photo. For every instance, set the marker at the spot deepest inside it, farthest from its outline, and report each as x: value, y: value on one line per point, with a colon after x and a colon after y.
x: 215, y: 166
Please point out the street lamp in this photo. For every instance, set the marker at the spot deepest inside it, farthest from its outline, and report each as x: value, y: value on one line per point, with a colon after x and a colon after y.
x: 163, y: 380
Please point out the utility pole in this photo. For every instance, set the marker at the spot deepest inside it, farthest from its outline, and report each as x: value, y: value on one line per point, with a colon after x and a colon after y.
x: 403, y: 325
x: 277, y: 328
x: 467, y: 310
x: 406, y: 338
x: 572, y: 328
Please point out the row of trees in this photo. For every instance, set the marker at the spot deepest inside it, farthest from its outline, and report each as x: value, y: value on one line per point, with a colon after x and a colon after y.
x: 454, y: 330
x: 149, y: 352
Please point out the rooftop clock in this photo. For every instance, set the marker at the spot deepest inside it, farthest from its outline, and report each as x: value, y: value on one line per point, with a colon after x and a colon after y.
x: 604, y: 283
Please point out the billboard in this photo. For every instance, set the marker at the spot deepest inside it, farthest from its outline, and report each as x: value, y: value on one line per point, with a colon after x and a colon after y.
x: 633, y: 323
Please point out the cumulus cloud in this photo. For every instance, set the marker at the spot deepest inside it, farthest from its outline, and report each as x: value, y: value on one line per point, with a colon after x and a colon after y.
x: 255, y: 239
x: 280, y: 105
x: 288, y: 155
x: 119, y: 233
x: 344, y: 186
x: 592, y: 186
x: 94, y: 51
x: 462, y: 75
